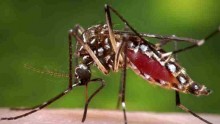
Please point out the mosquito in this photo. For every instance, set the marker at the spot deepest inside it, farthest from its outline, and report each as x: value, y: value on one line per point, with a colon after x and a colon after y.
x: 115, y: 50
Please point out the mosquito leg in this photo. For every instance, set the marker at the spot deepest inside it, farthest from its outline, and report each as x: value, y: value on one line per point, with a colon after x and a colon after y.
x: 23, y: 108
x: 160, y: 37
x: 99, y: 64
x: 121, y: 97
x: 196, y: 42
x: 122, y: 77
x: 108, y: 8
x: 119, y: 92
x: 112, y: 37
x: 110, y: 30
x: 102, y: 82
x: 39, y: 107
x: 178, y: 103
x: 86, y: 92
x: 124, y: 82
x: 199, y: 43
x: 77, y: 28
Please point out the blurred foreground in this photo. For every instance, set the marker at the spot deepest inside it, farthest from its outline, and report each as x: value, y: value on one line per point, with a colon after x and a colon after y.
x: 74, y: 116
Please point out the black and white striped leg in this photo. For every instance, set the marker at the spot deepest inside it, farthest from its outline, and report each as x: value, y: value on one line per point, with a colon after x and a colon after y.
x: 116, y: 50
x: 72, y: 65
x: 121, y: 97
x: 120, y: 92
x: 124, y: 82
x: 118, y: 53
x: 122, y: 85
x: 178, y: 103
x: 110, y: 29
x: 23, y: 108
x: 112, y: 37
x: 199, y: 42
x: 122, y: 74
x: 39, y: 107
x: 196, y: 43
x: 102, y: 82
x: 109, y: 8
x: 166, y: 39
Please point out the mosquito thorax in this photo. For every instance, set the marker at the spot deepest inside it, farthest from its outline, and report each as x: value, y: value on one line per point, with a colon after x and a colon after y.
x: 100, y: 44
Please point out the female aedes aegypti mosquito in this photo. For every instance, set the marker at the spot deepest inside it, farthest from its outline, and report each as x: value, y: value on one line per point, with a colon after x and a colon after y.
x: 110, y: 49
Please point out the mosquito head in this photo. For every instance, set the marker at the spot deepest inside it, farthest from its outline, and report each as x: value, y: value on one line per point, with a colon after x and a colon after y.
x: 82, y: 73
x: 198, y: 90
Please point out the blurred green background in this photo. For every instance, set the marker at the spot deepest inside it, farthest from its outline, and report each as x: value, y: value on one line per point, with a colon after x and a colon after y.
x: 35, y: 33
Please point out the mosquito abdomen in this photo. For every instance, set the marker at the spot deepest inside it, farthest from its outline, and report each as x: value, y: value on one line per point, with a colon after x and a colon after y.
x: 164, y: 72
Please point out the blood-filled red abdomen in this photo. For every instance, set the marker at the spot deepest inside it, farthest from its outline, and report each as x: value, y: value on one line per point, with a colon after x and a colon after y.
x: 150, y: 66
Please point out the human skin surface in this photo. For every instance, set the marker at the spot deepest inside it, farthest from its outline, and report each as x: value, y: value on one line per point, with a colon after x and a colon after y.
x: 74, y: 116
